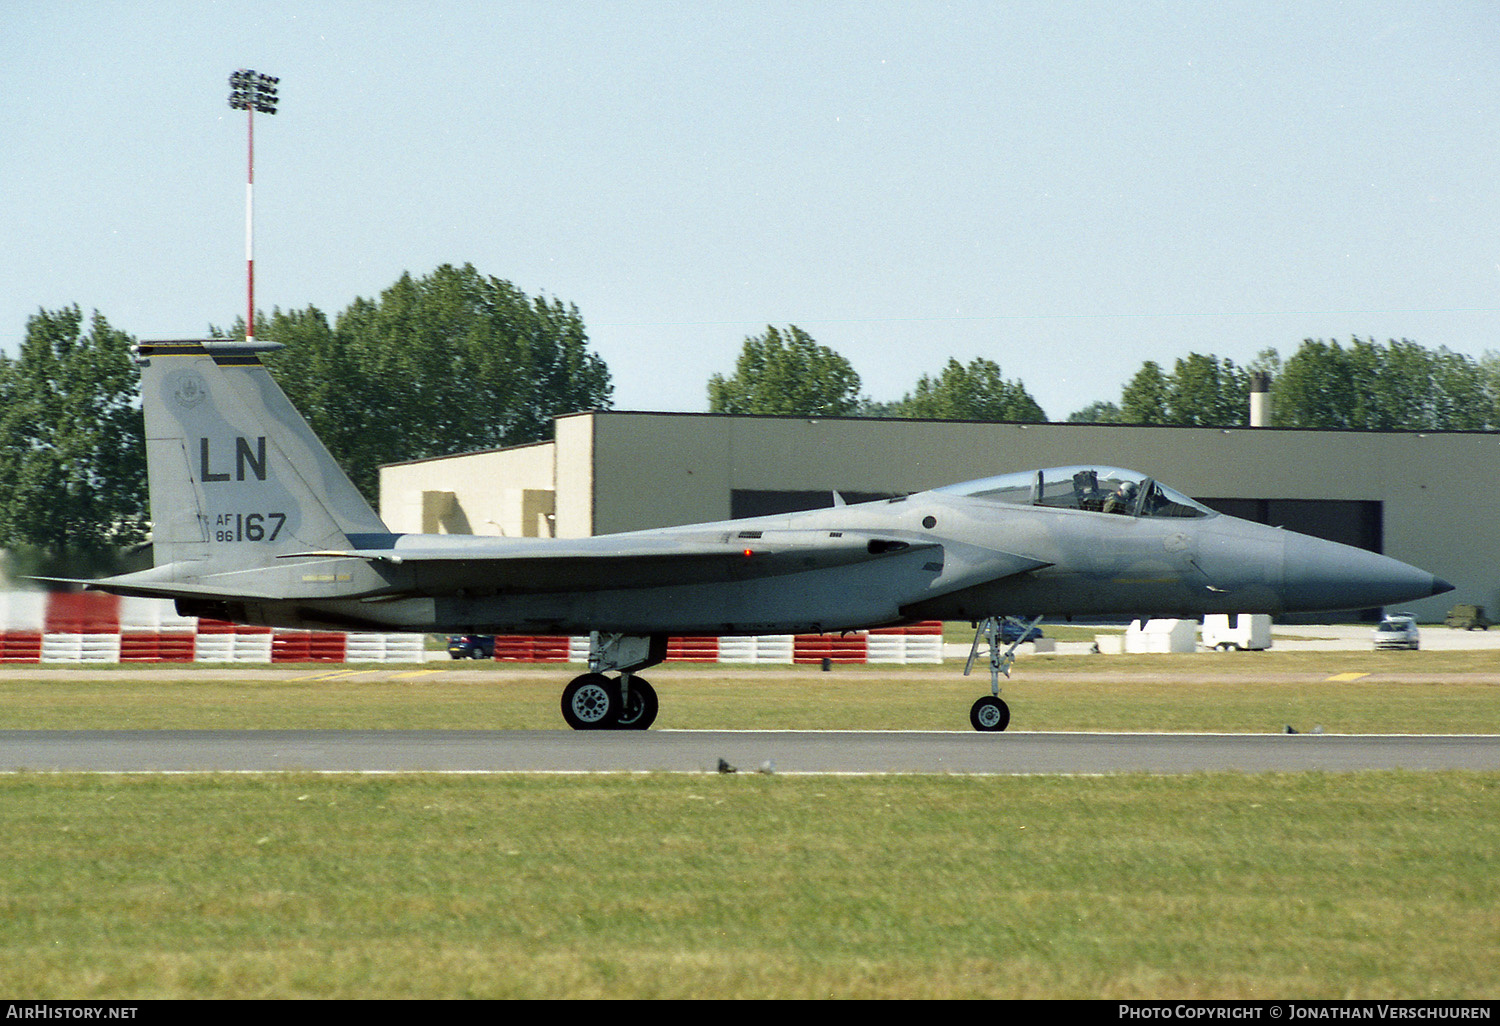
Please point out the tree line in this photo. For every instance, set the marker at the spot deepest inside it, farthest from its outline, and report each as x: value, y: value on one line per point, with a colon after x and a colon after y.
x: 1365, y: 385
x: 72, y: 451
x: 788, y: 373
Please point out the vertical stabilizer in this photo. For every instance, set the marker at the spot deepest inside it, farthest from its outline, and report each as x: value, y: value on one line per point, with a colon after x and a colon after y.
x: 237, y: 476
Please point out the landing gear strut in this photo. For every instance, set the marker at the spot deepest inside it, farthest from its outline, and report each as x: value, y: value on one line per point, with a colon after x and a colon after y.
x: 990, y: 713
x: 627, y: 702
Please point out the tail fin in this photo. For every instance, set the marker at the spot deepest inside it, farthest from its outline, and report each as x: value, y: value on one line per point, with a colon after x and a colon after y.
x: 237, y: 477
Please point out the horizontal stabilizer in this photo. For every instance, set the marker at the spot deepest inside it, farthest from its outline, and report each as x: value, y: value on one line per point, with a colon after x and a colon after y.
x: 150, y: 584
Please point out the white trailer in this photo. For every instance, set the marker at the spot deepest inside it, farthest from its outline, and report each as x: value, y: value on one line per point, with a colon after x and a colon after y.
x: 1240, y: 631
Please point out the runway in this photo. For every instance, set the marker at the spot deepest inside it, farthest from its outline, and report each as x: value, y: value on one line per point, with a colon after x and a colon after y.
x: 784, y: 752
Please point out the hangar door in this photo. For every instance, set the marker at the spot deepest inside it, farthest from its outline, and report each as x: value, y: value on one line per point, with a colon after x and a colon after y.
x: 1351, y: 522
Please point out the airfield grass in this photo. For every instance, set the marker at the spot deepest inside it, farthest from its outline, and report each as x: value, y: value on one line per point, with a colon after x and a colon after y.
x: 1213, y: 885
x: 1372, y: 885
x: 1256, y: 692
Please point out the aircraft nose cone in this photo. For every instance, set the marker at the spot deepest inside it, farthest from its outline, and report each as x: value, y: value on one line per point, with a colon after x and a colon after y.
x: 1326, y: 575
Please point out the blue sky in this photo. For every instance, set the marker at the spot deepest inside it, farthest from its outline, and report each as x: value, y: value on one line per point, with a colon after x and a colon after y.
x: 1065, y: 188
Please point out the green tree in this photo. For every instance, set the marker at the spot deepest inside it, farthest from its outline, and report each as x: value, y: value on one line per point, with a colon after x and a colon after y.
x: 1201, y: 390
x: 975, y: 392
x: 1207, y: 391
x: 1463, y: 393
x: 445, y: 363
x: 871, y: 408
x: 1100, y: 412
x: 1315, y: 388
x: 1369, y: 386
x: 1488, y: 383
x: 1144, y: 399
x: 786, y: 373
x: 72, y: 449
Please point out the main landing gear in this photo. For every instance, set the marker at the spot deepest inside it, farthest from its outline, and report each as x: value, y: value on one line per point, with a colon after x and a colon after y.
x: 595, y: 701
x: 990, y: 713
x: 627, y: 702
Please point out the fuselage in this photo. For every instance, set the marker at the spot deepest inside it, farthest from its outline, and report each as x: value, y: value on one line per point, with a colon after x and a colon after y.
x: 942, y: 554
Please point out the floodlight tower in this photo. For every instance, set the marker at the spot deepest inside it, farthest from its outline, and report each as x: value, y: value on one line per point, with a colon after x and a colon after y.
x: 250, y: 91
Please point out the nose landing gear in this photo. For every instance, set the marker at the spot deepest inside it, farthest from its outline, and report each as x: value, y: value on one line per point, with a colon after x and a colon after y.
x: 990, y: 713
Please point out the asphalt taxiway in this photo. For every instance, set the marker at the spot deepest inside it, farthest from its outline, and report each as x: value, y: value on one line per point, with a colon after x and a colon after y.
x: 845, y: 752
x: 692, y: 751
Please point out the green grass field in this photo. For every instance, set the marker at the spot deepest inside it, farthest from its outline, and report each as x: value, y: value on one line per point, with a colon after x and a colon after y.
x: 1379, y: 885
x: 1207, y: 886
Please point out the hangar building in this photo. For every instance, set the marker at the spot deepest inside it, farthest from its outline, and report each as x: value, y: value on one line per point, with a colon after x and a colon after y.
x: 1411, y: 495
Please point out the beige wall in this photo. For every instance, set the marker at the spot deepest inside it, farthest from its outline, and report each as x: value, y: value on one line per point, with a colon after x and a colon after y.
x: 506, y: 492
x: 574, y: 477
x: 625, y: 471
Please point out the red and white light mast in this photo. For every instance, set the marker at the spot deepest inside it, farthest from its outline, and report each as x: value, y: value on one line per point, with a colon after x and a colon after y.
x: 251, y: 91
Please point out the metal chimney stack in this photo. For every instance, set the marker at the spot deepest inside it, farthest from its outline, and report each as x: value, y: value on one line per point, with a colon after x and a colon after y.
x: 1260, y: 399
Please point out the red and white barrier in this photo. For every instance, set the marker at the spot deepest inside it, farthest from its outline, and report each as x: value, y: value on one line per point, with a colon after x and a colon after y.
x: 918, y: 643
x: 92, y: 627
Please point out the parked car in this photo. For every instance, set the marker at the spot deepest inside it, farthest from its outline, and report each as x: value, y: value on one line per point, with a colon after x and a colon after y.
x: 1398, y: 630
x: 471, y: 646
x: 1010, y: 632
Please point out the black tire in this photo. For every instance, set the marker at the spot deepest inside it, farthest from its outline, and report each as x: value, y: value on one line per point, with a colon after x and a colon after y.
x: 989, y: 714
x: 591, y: 702
x: 640, y: 708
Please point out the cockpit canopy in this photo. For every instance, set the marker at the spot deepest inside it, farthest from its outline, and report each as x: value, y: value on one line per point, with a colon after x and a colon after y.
x: 1097, y: 489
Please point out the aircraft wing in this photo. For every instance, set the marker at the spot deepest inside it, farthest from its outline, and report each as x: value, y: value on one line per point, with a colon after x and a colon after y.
x: 641, y: 560
x: 435, y: 566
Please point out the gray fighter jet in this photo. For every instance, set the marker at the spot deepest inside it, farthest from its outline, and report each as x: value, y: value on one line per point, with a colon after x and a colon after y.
x: 254, y: 522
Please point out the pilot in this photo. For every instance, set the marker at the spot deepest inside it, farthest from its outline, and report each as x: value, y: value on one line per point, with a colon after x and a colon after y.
x: 1122, y: 499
